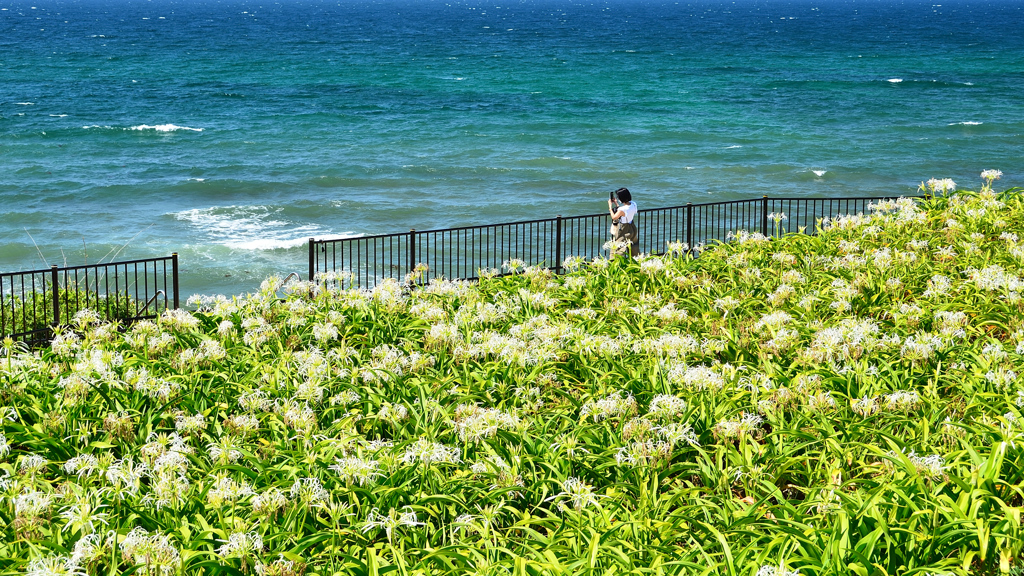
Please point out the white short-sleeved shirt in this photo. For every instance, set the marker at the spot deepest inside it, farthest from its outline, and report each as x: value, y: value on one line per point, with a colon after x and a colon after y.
x: 630, y: 212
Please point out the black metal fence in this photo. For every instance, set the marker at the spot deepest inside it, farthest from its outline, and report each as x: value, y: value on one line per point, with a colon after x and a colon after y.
x: 463, y: 252
x: 32, y: 303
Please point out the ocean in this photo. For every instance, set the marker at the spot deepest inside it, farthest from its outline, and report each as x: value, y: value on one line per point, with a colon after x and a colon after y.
x: 232, y: 131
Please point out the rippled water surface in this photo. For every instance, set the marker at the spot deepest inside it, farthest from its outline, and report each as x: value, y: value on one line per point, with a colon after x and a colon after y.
x: 233, y: 131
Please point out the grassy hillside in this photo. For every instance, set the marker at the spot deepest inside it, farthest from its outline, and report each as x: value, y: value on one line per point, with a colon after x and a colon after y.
x: 847, y: 403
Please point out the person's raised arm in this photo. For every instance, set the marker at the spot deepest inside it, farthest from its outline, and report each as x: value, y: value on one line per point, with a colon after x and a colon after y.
x: 614, y: 211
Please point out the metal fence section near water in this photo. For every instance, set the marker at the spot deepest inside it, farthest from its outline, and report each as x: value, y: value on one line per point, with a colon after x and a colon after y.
x: 33, y: 303
x: 463, y: 252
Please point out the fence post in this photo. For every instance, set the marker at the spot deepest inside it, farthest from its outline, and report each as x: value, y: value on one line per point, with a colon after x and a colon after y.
x: 312, y: 258
x: 764, y: 215
x: 55, y: 290
x: 558, y: 244
x: 174, y: 277
x: 689, y: 226
x: 412, y: 249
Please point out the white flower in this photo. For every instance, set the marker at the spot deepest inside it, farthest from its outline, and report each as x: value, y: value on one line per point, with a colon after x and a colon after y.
x: 224, y: 451
x: 429, y: 453
x: 726, y: 304
x: 514, y: 265
x: 643, y: 453
x: 227, y: 490
x: 774, y: 320
x: 241, y: 545
x: 180, y: 320
x: 32, y: 464
x: 190, y: 424
x: 310, y: 492
x: 744, y: 237
x: 126, y: 476
x: 821, y: 402
x: 361, y: 471
x: 675, y: 433
x: 573, y: 263
x: 344, y: 398
x: 86, y: 317
x: 152, y: 551
x: 920, y: 347
x: 1001, y: 377
x: 270, y: 502
x: 931, y: 466
x: 903, y: 401
x: 31, y: 504
x: 81, y: 465
x: 666, y: 407
x: 577, y: 493
x: 747, y: 425
x: 325, y: 332
x: 676, y: 248
x: 474, y: 423
x: 990, y: 175
x: 84, y: 514
x: 54, y: 566
x: 394, y: 519
x: 255, y: 401
x: 225, y: 328
x: 87, y: 550
x: 653, y: 266
x: 940, y: 186
x: 615, y: 245
x: 697, y: 378
x: 772, y: 570
x: 611, y: 406
x: 280, y: 567
x: 393, y: 412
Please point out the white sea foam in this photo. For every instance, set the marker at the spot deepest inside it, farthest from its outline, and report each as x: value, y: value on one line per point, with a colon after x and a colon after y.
x: 266, y: 244
x: 819, y: 173
x: 734, y: 146
x: 895, y: 80
x: 24, y: 103
x: 251, y: 227
x: 967, y: 123
x: 197, y: 179
x: 164, y: 128
x: 58, y: 115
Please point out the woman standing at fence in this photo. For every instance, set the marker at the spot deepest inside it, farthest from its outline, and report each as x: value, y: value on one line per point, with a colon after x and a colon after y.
x: 624, y: 233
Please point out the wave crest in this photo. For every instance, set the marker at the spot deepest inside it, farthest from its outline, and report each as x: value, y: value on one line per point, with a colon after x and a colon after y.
x: 164, y: 128
x: 251, y: 227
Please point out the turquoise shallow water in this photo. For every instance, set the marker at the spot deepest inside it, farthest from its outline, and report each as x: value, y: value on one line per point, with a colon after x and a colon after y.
x: 231, y: 132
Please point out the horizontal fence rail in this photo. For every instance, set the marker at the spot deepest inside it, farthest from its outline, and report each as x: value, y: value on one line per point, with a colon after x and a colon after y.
x: 462, y: 252
x: 33, y: 303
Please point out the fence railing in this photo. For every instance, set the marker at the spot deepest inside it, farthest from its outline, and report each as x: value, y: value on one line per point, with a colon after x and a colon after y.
x: 32, y: 303
x: 462, y: 252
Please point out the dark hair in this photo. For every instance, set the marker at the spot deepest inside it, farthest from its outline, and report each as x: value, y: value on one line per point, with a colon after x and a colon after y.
x: 624, y: 195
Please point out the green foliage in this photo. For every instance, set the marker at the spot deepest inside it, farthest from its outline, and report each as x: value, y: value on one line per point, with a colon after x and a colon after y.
x: 34, y: 312
x: 846, y: 403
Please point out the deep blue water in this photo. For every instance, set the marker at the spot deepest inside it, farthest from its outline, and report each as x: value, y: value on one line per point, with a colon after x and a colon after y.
x: 232, y: 131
